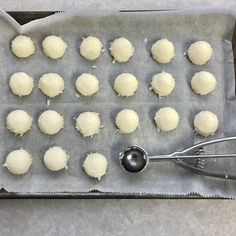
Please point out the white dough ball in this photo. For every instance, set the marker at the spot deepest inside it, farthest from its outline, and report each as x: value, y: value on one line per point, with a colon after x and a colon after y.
x: 51, y: 84
x: 91, y: 48
x: 203, y: 83
x: 121, y: 49
x: 22, y: 46
x: 163, y: 84
x: 55, y: 159
x: 206, y: 123
x: 125, y: 84
x: 127, y: 121
x: 95, y: 165
x: 87, y: 84
x: 200, y: 52
x: 54, y: 47
x: 163, y: 51
x: 166, y: 119
x: 88, y: 123
x: 18, y: 162
x: 19, y: 122
x: 21, y: 84
x: 50, y: 122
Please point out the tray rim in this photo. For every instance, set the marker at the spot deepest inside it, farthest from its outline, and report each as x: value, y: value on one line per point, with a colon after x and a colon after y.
x: 101, y: 195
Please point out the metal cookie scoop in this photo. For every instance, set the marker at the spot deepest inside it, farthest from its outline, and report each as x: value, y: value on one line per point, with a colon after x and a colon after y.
x: 135, y: 159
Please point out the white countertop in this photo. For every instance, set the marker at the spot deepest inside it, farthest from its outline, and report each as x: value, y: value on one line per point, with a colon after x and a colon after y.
x: 42, y: 5
x: 116, y: 217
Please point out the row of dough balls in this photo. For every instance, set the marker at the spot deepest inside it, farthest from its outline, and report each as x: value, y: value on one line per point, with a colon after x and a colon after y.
x: 127, y: 121
x: 121, y: 49
x: 202, y: 83
x: 50, y: 84
x: 19, y: 161
x: 126, y: 84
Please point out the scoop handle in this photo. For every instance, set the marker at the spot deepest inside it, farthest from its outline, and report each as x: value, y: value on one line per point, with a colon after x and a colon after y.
x: 206, y: 143
x: 179, y: 157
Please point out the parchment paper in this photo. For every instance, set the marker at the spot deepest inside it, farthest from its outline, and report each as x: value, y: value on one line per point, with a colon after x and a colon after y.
x: 182, y: 28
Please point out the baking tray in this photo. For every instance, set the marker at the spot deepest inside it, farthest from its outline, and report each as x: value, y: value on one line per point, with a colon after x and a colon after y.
x: 26, y: 16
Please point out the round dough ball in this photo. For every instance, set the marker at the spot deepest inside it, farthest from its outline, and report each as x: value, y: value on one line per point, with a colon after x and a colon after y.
x: 51, y: 84
x: 206, y: 123
x: 166, y: 119
x: 91, y: 48
x: 88, y: 123
x: 200, y: 52
x: 95, y: 165
x: 54, y: 47
x: 163, y: 84
x: 22, y: 46
x: 125, y: 84
x: 50, y: 122
x: 55, y: 159
x: 21, y: 84
x: 127, y: 121
x: 121, y: 49
x: 203, y: 83
x: 87, y: 84
x: 19, y: 122
x: 163, y: 51
x: 18, y: 162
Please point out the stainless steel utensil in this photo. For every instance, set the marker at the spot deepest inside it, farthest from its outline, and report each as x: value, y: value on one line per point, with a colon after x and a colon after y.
x: 135, y: 159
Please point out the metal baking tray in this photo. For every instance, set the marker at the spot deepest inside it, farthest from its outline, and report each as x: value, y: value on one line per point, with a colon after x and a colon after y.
x: 23, y: 17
